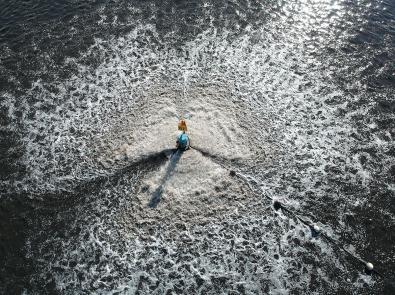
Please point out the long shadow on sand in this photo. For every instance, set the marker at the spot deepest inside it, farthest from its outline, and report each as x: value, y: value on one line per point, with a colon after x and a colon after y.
x: 157, y: 194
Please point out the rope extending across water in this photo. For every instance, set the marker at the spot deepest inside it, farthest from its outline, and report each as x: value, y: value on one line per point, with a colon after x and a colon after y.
x: 297, y: 215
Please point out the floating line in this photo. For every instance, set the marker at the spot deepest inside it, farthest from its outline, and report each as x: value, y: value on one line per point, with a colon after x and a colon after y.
x: 315, y: 229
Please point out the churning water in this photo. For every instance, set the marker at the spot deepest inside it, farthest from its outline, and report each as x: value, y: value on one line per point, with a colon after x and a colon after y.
x: 296, y: 97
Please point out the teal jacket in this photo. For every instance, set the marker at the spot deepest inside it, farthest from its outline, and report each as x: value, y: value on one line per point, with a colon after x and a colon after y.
x: 183, y: 141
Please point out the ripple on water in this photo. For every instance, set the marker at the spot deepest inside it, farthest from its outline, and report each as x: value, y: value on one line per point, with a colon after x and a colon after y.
x: 258, y: 98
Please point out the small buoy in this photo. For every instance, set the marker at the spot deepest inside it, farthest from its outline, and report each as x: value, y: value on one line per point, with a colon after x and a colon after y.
x: 277, y: 205
x: 316, y: 228
x: 369, y: 266
x: 232, y: 173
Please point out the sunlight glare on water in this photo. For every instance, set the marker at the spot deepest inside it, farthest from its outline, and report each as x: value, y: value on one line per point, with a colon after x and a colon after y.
x: 277, y: 92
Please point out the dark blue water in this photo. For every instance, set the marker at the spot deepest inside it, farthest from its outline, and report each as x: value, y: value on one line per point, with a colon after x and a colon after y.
x: 296, y: 97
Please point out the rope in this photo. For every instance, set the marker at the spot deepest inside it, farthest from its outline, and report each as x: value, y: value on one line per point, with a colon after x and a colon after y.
x: 278, y: 205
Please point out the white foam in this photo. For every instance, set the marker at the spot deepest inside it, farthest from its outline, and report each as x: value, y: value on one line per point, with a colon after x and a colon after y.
x: 253, y: 97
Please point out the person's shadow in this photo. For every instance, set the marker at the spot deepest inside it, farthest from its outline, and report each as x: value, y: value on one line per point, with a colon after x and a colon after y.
x: 157, y: 194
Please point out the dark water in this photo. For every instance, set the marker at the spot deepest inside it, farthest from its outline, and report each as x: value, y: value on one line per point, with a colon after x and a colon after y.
x: 295, y: 96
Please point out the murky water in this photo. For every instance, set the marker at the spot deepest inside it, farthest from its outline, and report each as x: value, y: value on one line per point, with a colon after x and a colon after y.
x: 297, y: 97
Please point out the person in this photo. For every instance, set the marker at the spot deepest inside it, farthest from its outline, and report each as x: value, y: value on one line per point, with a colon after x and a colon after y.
x: 182, y: 139
x: 182, y: 125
